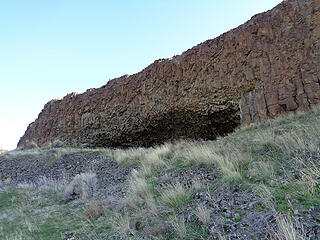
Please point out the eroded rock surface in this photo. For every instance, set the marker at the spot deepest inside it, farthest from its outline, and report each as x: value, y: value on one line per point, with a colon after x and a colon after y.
x: 265, y: 67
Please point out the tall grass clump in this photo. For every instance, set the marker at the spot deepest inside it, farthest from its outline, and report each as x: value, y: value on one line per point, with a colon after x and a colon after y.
x: 265, y: 138
x: 140, y: 195
x: 203, y: 214
x: 287, y: 230
x: 266, y: 195
x: 175, y: 196
x: 139, y: 188
x: 82, y: 186
x: 199, y: 154
x: 93, y: 210
x: 129, y: 157
x: 120, y: 225
x: 230, y: 160
x: 156, y: 157
x: 261, y: 170
x: 179, y: 227
x: 310, y: 175
x: 299, y: 142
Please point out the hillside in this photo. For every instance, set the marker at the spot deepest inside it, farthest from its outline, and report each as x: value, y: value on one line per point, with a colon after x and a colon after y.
x: 260, y: 182
x: 265, y: 67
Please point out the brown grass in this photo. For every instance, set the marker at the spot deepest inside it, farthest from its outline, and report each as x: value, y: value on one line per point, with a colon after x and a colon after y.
x: 287, y: 230
x: 94, y: 210
x: 203, y: 214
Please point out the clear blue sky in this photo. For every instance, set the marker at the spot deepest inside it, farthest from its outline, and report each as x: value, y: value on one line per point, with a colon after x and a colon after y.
x: 49, y: 48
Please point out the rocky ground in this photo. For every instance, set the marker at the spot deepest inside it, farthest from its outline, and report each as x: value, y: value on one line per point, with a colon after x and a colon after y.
x: 56, y: 164
x: 254, y: 184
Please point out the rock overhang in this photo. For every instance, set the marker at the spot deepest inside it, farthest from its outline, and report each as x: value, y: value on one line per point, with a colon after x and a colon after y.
x: 263, y: 68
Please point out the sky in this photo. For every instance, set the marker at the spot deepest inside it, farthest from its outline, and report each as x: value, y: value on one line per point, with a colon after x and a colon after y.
x: 49, y: 48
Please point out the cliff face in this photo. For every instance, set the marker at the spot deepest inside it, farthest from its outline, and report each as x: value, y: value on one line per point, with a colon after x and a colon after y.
x: 265, y: 67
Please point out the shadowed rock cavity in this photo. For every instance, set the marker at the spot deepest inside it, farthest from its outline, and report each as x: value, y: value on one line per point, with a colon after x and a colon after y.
x: 172, y: 126
x: 268, y: 66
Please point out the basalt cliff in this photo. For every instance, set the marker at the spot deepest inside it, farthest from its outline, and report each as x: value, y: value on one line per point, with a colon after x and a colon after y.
x: 268, y: 66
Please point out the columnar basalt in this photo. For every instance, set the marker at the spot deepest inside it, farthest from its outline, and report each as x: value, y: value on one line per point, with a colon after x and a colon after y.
x: 265, y: 67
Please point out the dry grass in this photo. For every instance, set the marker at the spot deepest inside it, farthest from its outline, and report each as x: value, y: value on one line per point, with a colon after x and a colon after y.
x: 31, y: 227
x: 148, y: 157
x: 175, y: 196
x: 47, y: 184
x: 199, y: 154
x: 265, y: 195
x: 55, y: 153
x: 310, y: 175
x: 82, y: 186
x: 287, y: 230
x: 179, y: 227
x: 18, y: 152
x: 261, y: 170
x: 229, y: 160
x: 233, y: 163
x: 94, y: 210
x: 145, y: 171
x: 129, y: 157
x: 121, y: 226
x: 140, y: 198
x: 139, y: 188
x: 156, y: 157
x: 264, y: 138
x: 203, y: 214
x: 304, y: 139
x: 291, y: 143
x: 151, y: 206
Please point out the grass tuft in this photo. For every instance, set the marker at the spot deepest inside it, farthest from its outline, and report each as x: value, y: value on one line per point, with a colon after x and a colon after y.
x: 175, y: 196
x: 310, y: 175
x: 93, y: 211
x: 287, y: 230
x: 179, y: 227
x: 129, y: 157
x: 82, y: 186
x: 203, y: 214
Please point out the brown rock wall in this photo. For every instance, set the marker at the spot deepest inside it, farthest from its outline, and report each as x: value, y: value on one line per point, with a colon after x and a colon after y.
x: 267, y: 66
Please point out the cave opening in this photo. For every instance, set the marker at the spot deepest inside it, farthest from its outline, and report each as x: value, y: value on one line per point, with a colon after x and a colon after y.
x: 174, y: 126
